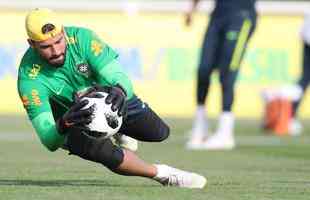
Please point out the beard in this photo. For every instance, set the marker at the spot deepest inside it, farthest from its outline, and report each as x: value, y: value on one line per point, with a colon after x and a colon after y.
x: 56, y: 61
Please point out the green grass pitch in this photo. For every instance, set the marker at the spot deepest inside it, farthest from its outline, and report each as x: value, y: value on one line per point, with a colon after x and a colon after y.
x: 262, y: 167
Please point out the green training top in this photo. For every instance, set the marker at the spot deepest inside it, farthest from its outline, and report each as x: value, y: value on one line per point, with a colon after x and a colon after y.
x: 46, y: 91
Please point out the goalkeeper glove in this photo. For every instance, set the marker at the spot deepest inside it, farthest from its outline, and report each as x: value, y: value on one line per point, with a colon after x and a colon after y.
x: 116, y: 97
x: 75, y: 117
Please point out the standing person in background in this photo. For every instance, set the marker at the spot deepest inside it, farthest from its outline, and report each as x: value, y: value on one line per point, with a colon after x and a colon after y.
x: 231, y: 25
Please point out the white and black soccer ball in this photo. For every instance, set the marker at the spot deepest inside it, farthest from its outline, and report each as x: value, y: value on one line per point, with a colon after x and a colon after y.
x: 104, y: 120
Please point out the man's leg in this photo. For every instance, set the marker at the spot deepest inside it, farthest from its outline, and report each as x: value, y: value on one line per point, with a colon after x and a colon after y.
x: 125, y: 162
x: 125, y: 142
x: 132, y: 165
x: 236, y: 37
x: 143, y: 124
x: 207, y: 64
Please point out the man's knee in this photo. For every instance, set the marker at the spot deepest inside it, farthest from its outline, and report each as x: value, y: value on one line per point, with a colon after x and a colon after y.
x: 159, y: 130
x: 204, y: 72
x: 105, y: 152
x: 228, y: 79
x: 95, y: 149
x: 225, y: 85
x: 164, y: 132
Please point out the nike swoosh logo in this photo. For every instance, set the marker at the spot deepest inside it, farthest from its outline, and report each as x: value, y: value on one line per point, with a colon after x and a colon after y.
x: 60, y: 90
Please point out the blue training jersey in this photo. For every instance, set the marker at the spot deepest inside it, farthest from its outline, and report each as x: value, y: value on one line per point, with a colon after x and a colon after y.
x: 232, y: 5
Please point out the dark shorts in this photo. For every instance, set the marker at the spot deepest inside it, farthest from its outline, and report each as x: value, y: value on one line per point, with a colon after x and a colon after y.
x: 142, y: 123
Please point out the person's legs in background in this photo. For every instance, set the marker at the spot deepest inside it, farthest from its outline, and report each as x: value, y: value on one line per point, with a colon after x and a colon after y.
x: 237, y: 34
x: 208, y: 59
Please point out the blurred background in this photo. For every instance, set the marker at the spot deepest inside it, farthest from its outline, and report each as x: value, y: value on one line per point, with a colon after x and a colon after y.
x: 160, y: 53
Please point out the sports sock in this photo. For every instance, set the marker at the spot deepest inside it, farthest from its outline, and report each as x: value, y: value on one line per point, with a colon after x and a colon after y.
x: 226, y: 123
x: 200, y: 121
x: 162, y: 172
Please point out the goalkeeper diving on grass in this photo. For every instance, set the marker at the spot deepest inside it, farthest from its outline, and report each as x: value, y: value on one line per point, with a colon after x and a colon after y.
x: 60, y: 72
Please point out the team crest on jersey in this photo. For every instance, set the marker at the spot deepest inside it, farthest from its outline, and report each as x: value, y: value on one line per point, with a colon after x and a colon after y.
x: 83, y: 68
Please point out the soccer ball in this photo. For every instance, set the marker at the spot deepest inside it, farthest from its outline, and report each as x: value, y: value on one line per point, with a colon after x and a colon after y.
x: 104, y: 120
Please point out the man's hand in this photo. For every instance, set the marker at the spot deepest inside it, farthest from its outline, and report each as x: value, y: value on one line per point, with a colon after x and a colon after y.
x: 188, y: 19
x: 75, y: 117
x: 117, y: 97
x: 189, y: 14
